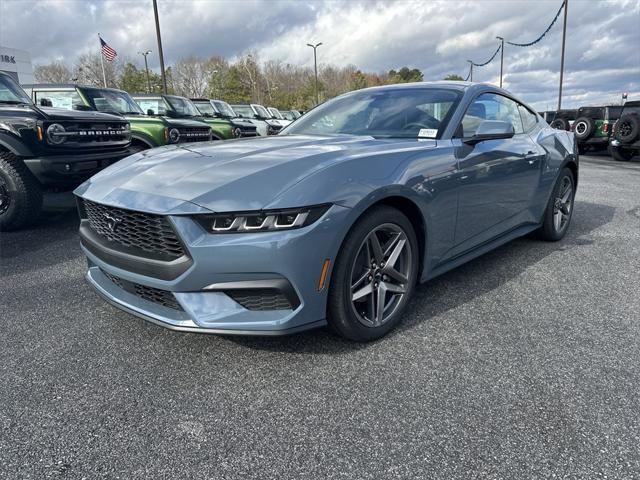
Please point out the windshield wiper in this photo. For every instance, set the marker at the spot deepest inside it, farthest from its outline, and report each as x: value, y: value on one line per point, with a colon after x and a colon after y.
x: 131, y: 113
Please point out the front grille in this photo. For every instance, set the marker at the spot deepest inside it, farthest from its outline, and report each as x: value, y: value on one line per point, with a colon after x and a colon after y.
x: 194, y: 134
x: 260, y: 299
x: 94, y: 133
x: 151, y: 234
x: 155, y: 295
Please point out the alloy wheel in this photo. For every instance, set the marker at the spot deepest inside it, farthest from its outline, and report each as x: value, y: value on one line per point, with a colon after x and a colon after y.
x: 563, y: 205
x: 581, y: 128
x: 380, y: 274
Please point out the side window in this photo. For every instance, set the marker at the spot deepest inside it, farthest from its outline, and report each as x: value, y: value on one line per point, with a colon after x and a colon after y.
x: 67, y: 100
x: 529, y: 120
x: 490, y: 106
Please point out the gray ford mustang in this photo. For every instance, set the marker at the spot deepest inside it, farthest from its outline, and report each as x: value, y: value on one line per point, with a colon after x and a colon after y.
x: 333, y: 221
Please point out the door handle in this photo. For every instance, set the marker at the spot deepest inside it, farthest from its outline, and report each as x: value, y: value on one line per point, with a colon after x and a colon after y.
x: 530, y: 157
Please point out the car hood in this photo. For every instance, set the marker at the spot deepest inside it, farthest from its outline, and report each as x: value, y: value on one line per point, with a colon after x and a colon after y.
x: 185, y: 122
x: 62, y: 114
x: 234, y: 175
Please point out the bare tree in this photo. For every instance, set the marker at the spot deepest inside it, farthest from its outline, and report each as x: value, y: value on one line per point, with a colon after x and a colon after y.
x: 191, y: 76
x: 88, y: 70
x: 54, y: 72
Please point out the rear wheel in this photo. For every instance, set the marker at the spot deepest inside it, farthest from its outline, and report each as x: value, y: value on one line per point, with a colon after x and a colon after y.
x: 559, y: 211
x: 20, y: 193
x: 374, y: 275
x: 621, y: 154
x: 560, y: 124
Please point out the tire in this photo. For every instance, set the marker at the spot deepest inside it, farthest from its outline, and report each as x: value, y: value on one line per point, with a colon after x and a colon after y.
x: 628, y: 128
x: 20, y: 194
x: 560, y: 124
x: 584, y: 127
x: 621, y: 154
x: 358, y: 319
x: 551, y: 230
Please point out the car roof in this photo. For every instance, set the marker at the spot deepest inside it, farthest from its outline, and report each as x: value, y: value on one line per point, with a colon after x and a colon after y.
x: 68, y: 85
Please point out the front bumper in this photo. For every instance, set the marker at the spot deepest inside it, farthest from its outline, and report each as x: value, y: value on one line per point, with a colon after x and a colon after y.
x: 70, y: 170
x: 223, y: 262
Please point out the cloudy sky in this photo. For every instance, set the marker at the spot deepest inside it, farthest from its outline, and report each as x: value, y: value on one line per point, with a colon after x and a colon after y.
x: 602, y: 57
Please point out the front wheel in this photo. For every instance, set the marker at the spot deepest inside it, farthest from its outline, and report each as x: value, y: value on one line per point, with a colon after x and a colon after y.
x: 557, y: 216
x: 20, y: 193
x: 374, y: 275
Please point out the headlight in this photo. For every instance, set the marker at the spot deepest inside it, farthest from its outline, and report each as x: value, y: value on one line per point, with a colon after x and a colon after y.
x: 174, y: 135
x: 56, y: 134
x: 262, y: 220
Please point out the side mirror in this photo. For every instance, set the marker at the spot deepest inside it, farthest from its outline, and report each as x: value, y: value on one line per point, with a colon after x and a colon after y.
x: 491, y: 130
x: 150, y: 112
x: 46, y: 102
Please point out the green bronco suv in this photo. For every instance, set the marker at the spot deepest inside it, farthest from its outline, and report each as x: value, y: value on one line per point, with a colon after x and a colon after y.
x: 593, y: 126
x: 625, y: 139
x: 223, y: 124
x: 176, y: 110
x: 45, y: 148
x: 147, y: 131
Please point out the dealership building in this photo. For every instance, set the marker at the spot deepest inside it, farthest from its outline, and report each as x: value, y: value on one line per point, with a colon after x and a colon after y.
x: 16, y: 63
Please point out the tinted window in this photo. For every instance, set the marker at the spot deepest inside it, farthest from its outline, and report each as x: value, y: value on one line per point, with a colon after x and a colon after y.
x: 490, y: 106
x: 67, y: 100
x: 529, y: 120
x: 398, y: 113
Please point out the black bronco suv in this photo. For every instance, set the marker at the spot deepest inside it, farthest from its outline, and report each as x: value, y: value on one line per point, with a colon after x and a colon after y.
x: 625, y: 139
x: 43, y: 148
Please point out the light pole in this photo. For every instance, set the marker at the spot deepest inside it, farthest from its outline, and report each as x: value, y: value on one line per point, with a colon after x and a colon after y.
x: 471, y: 71
x: 564, y: 36
x: 501, y: 57
x: 146, y: 67
x: 315, y: 67
x: 164, y: 78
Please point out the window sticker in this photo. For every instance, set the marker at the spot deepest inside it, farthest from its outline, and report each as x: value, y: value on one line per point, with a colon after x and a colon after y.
x: 427, y: 133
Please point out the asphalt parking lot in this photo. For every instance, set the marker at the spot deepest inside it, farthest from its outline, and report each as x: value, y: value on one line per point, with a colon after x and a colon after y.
x: 522, y: 364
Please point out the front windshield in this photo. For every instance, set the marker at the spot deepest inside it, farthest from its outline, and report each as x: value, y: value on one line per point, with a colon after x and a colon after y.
x: 10, y: 91
x: 288, y: 115
x: 244, y: 111
x: 276, y: 113
x: 224, y: 108
x: 112, y: 101
x: 260, y: 110
x: 205, y: 108
x: 183, y: 106
x: 397, y: 112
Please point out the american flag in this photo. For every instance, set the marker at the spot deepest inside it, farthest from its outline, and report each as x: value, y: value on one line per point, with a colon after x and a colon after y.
x: 108, y: 52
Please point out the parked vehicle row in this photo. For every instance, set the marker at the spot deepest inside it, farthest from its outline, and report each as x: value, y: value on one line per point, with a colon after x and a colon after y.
x: 50, y: 148
x: 612, y: 127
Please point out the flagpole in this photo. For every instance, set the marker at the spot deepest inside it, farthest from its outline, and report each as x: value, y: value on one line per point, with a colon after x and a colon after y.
x: 104, y: 75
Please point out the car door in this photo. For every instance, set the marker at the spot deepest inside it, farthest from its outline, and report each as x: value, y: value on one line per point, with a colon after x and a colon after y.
x: 497, y: 177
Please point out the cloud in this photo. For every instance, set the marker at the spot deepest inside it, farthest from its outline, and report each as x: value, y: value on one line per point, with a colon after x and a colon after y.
x: 602, y: 54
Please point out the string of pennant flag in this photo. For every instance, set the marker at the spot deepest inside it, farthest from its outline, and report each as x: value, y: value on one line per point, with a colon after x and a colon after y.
x: 528, y: 44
